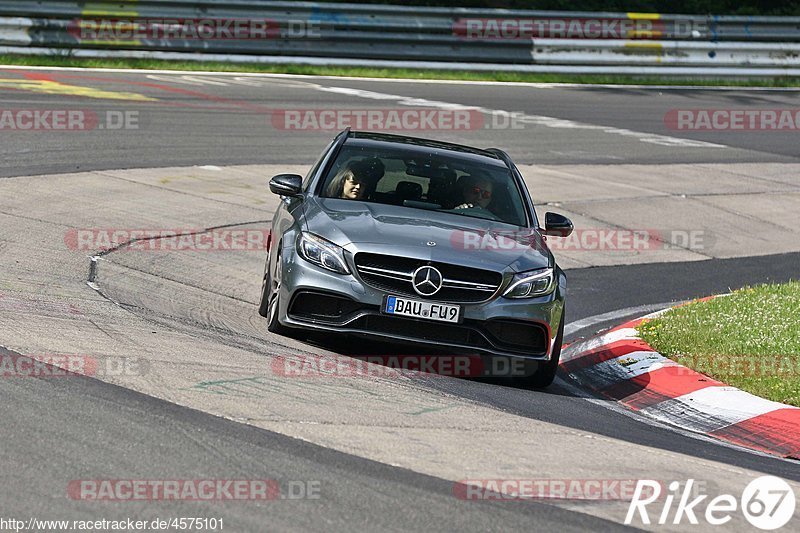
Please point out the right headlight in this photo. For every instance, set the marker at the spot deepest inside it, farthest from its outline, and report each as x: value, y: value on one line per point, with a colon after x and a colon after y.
x: 532, y: 284
x: 325, y: 254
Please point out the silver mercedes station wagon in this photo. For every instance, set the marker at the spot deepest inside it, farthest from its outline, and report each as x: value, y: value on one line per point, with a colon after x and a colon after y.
x: 417, y: 241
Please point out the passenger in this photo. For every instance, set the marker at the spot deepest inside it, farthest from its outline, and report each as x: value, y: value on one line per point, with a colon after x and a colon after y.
x: 356, y: 180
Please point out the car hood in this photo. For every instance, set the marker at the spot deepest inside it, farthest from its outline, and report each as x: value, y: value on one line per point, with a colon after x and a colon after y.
x: 397, y: 230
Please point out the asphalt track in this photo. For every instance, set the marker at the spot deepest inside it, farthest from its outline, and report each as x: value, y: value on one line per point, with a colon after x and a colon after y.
x: 225, y: 120
x: 65, y: 428
x: 99, y: 429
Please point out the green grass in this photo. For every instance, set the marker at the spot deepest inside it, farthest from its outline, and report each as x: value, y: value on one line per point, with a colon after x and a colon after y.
x: 67, y: 61
x: 750, y: 340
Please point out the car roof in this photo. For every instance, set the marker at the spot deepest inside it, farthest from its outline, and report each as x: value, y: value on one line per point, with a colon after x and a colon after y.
x: 424, y: 146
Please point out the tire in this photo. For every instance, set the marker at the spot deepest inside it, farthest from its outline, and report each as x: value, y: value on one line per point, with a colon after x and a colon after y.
x: 546, y: 373
x: 269, y: 305
x: 263, y: 303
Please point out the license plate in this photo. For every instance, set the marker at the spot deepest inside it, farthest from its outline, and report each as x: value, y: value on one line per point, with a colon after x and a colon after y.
x: 423, y: 310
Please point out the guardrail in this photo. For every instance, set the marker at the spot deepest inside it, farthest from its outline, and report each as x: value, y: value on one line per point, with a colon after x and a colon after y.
x: 364, y: 34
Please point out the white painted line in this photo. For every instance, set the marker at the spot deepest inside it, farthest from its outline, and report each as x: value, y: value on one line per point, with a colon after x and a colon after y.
x: 587, y: 322
x: 533, y: 85
x: 712, y: 408
x: 539, y: 120
x: 693, y: 415
x: 649, y: 421
x: 629, y: 366
x: 221, y: 79
x: 580, y: 348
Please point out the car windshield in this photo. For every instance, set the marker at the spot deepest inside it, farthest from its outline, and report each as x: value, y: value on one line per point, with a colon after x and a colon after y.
x: 462, y: 186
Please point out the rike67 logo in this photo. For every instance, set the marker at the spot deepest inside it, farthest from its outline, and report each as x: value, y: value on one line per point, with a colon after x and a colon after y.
x: 767, y: 503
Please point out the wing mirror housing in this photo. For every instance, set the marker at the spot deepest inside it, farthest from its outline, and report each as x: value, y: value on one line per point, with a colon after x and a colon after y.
x: 556, y: 225
x: 290, y: 185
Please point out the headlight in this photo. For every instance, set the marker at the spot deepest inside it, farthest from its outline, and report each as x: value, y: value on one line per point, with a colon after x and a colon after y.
x: 322, y: 253
x: 531, y: 284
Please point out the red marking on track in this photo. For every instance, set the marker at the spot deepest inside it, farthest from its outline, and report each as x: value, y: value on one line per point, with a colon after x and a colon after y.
x: 604, y: 353
x: 176, y: 90
x: 658, y: 386
x: 632, y: 324
x: 28, y: 75
x: 774, y: 432
x: 39, y: 76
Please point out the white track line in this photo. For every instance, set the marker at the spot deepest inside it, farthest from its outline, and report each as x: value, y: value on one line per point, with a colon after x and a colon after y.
x: 617, y: 408
x: 712, y: 408
x: 584, y: 323
x: 534, y: 85
x: 539, y: 120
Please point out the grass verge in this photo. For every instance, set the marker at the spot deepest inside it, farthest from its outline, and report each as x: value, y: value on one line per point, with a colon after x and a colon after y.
x: 369, y: 72
x: 750, y: 340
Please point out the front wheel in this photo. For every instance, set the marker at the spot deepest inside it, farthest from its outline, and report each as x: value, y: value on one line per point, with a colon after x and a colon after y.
x: 263, y: 304
x: 269, y: 305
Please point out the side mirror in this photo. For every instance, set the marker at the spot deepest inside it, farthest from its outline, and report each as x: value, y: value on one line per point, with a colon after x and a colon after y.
x: 556, y: 225
x: 287, y: 185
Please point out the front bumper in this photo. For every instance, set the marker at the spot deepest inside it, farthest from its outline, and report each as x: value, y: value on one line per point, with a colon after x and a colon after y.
x: 313, y: 298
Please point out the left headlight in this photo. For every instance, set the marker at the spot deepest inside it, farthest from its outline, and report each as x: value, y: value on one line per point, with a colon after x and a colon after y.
x: 532, y: 284
x: 325, y: 254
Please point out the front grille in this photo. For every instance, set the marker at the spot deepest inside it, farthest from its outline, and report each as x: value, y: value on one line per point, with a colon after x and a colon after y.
x: 510, y: 336
x: 393, y: 274
x: 427, y: 331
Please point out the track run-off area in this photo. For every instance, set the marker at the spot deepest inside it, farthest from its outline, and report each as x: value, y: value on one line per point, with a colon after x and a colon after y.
x: 188, y: 383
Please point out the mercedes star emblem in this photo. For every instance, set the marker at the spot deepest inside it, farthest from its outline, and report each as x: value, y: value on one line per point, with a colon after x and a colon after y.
x: 427, y: 281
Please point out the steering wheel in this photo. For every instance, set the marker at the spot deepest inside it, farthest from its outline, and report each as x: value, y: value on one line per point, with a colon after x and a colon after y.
x: 477, y: 210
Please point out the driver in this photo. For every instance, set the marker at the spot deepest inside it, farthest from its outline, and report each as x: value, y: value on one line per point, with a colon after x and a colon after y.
x: 475, y: 191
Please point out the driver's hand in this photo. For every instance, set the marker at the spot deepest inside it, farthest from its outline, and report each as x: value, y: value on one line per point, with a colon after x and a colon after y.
x: 464, y: 206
